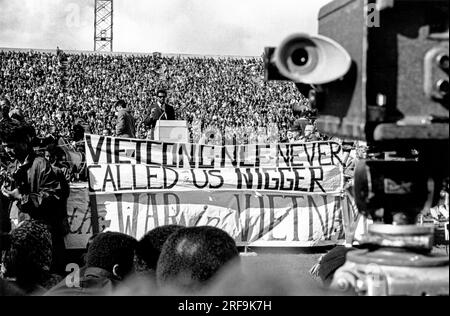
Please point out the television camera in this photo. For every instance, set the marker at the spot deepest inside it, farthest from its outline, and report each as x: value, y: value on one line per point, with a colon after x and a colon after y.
x: 378, y: 72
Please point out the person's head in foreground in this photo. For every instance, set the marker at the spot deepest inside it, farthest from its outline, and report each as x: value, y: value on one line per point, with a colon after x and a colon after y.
x: 16, y: 139
x: 112, y: 252
x: 110, y: 259
x: 28, y: 258
x: 149, y: 247
x: 192, y: 257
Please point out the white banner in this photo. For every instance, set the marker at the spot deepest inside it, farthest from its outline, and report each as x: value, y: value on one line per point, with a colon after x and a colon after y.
x: 79, y: 217
x: 262, y: 195
x: 252, y: 219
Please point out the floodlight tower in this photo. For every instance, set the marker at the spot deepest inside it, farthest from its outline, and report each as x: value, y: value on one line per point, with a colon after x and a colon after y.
x: 103, y: 24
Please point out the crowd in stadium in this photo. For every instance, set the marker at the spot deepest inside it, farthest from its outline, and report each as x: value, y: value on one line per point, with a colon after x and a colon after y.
x: 229, y: 95
x: 167, y: 260
x: 45, y: 97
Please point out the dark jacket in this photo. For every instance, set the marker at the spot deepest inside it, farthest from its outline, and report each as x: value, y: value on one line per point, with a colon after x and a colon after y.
x: 42, y: 192
x: 44, y: 198
x: 125, y: 124
x: 169, y: 113
x: 155, y: 114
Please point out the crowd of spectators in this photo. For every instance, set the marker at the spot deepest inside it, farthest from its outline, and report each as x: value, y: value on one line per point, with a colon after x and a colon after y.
x: 168, y: 260
x: 223, y: 99
x: 223, y: 94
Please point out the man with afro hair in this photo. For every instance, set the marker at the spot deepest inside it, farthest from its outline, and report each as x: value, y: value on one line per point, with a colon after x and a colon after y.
x: 193, y: 256
x: 149, y: 247
x: 109, y: 260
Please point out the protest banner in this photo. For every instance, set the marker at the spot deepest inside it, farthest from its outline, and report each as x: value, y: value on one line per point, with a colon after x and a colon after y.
x: 262, y: 195
x: 113, y: 150
x: 247, y: 216
x: 250, y: 218
x: 131, y: 178
x: 79, y: 216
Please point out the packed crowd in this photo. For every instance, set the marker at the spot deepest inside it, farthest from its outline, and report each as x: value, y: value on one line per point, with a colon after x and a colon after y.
x: 229, y: 95
x: 49, y: 97
x: 168, y: 260
x: 34, y: 221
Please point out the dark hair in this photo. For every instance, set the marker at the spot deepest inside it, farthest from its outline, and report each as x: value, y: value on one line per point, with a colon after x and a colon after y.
x: 78, y: 132
x: 88, y: 244
x: 150, y: 246
x: 56, y: 152
x: 121, y: 103
x: 29, y: 255
x: 111, y: 248
x: 193, y: 255
x: 14, y: 131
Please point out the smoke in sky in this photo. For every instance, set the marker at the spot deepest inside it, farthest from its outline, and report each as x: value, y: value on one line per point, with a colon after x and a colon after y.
x: 217, y: 27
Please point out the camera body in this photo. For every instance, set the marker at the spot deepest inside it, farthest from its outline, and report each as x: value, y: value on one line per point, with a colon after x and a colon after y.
x: 378, y: 72
x: 399, y: 70
x: 396, y: 83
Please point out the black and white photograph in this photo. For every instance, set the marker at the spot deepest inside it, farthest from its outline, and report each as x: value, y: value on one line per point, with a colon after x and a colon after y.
x: 223, y: 153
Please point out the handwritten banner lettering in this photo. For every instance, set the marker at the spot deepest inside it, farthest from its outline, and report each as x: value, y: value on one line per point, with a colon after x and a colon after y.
x: 268, y: 194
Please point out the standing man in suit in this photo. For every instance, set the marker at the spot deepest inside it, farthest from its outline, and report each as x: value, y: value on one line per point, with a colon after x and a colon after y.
x: 159, y: 111
x: 168, y: 112
x: 125, y: 126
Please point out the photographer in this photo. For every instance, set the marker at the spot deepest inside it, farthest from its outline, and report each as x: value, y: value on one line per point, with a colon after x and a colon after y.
x: 36, y: 191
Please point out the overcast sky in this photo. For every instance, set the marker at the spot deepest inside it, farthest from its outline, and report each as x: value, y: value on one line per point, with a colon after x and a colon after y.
x: 208, y: 27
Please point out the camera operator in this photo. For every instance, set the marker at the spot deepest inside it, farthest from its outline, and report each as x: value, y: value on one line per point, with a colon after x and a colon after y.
x: 36, y: 191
